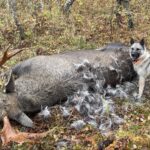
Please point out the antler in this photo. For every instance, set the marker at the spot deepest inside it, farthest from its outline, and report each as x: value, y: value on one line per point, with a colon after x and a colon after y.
x: 6, y: 56
x: 9, y: 134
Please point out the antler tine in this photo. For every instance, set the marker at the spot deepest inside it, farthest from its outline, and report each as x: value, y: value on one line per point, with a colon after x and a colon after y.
x: 6, y: 56
x: 16, y: 51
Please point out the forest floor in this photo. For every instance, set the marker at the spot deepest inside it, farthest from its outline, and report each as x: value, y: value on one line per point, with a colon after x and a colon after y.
x: 91, y: 24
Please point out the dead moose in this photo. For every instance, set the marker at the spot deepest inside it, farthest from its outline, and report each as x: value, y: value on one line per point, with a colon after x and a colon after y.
x: 48, y: 80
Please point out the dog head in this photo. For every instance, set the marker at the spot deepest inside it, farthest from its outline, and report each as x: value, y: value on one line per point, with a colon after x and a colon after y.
x: 137, y: 49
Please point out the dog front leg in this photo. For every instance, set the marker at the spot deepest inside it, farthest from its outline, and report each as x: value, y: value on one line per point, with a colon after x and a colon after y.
x: 141, y: 86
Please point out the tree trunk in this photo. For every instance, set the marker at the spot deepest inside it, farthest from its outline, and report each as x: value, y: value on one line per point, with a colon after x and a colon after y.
x: 12, y: 7
x: 126, y: 5
x: 67, y: 6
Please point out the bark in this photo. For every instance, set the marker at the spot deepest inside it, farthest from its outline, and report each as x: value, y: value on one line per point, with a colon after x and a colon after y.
x: 67, y: 6
x: 126, y: 5
x: 13, y: 9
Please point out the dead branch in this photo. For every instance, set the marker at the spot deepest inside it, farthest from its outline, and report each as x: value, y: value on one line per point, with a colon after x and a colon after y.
x: 6, y: 55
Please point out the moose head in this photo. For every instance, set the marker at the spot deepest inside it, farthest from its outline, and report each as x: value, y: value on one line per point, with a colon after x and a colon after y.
x: 9, y: 104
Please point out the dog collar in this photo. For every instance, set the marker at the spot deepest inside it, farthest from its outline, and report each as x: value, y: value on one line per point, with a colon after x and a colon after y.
x: 137, y: 61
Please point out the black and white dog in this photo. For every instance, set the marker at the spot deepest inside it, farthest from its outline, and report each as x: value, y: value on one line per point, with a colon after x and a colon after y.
x: 141, y: 62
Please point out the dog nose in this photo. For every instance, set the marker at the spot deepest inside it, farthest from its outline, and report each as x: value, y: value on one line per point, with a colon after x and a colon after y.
x: 133, y: 54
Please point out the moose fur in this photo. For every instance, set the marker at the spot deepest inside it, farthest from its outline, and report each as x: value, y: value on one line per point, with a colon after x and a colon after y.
x: 49, y: 80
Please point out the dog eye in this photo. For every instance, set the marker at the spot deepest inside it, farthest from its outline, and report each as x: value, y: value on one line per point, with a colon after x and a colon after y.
x: 132, y: 48
x: 137, y: 49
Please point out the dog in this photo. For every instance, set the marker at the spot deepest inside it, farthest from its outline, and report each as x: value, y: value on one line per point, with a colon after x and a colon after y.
x: 141, y: 63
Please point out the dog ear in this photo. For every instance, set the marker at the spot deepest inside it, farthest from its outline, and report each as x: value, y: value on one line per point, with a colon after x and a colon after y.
x: 142, y: 42
x: 131, y: 41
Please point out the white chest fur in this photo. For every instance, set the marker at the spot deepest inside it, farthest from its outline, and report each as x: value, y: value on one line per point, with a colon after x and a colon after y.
x: 143, y: 67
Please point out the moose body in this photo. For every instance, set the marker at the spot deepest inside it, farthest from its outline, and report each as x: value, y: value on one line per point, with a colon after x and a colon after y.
x: 48, y: 80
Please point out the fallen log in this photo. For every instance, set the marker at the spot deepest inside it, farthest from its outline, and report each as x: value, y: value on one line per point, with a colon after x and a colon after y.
x: 49, y: 80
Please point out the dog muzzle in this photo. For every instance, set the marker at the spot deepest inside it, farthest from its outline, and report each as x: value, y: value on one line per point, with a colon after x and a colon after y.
x: 135, y: 56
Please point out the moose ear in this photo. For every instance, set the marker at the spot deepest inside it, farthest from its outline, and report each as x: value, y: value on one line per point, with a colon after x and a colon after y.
x: 142, y: 42
x: 9, y: 85
x: 131, y: 41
